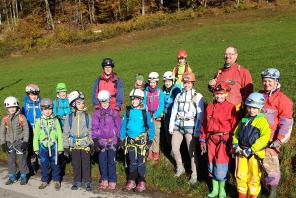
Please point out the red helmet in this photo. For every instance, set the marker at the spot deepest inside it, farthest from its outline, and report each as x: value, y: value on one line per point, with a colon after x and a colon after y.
x: 182, y: 53
x: 188, y: 77
x: 222, y: 88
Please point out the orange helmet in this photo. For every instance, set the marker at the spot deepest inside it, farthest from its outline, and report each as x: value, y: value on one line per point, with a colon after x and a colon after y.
x: 182, y: 53
x: 188, y: 77
x: 222, y: 88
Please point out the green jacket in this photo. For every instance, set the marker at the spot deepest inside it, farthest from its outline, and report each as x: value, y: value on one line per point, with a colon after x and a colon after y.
x: 47, y: 127
x: 253, y: 133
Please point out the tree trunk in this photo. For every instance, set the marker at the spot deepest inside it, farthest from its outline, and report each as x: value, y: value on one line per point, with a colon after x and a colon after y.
x: 48, y: 14
x: 143, y: 7
x: 178, y: 5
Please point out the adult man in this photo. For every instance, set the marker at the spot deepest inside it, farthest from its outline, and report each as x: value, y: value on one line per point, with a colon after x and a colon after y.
x: 110, y: 82
x: 238, y: 77
x: 278, y: 109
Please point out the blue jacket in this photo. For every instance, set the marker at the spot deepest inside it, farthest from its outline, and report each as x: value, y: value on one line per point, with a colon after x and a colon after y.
x: 135, y: 126
x: 169, y: 98
x: 61, y: 109
x: 159, y: 111
x: 31, y: 110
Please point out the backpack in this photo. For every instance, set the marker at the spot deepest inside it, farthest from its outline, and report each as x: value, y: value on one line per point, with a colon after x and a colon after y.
x: 86, y: 119
x: 21, y: 119
x: 144, y: 114
x: 177, y: 68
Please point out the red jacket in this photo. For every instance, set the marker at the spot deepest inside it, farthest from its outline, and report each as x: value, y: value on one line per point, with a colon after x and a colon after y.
x: 240, y: 81
x: 219, y: 117
x: 278, y: 109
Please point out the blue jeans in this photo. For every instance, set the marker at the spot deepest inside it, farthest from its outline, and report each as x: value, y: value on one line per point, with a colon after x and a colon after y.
x: 137, y: 166
x: 107, y: 164
x: 48, y: 165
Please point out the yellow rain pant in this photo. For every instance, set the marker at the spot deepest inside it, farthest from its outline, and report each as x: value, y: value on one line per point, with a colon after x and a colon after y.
x: 248, y: 175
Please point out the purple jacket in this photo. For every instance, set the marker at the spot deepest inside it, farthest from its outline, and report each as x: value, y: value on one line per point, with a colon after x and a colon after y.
x: 106, y: 126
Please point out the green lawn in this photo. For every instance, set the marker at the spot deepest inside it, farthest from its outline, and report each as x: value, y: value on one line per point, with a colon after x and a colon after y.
x: 263, y: 40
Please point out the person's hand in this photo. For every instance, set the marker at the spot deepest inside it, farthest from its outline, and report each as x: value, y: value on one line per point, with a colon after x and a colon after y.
x: 24, y: 146
x: 247, y: 152
x: 148, y: 144
x: 36, y: 154
x: 203, y: 148
x: 276, y: 144
x: 212, y: 82
x: 237, y: 149
x: 66, y: 152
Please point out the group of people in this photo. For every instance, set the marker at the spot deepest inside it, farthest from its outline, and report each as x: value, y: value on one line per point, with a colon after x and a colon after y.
x: 249, y: 125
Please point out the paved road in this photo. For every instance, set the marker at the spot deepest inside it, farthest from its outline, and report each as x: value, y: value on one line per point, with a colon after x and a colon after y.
x: 31, y: 190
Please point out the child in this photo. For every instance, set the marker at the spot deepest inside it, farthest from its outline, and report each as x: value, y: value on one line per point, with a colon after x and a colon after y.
x: 77, y: 139
x: 140, y: 82
x: 154, y: 101
x: 219, y: 121
x: 14, y: 137
x: 32, y: 111
x: 181, y: 67
x: 170, y: 91
x: 186, y: 119
x: 250, y: 138
x: 48, y: 144
x: 136, y: 140
x: 105, y: 133
x: 61, y: 106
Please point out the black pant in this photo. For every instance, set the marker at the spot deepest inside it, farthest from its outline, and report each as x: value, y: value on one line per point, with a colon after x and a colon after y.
x: 81, y: 166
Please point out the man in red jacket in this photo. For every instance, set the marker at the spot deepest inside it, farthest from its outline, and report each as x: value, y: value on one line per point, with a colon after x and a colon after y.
x: 278, y: 109
x: 238, y: 77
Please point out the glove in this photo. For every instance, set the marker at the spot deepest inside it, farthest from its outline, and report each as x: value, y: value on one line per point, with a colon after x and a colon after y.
x: 148, y: 144
x: 5, y: 147
x: 247, y: 152
x: 24, y: 146
x: 276, y: 144
x: 66, y: 152
x: 237, y: 149
x: 203, y: 148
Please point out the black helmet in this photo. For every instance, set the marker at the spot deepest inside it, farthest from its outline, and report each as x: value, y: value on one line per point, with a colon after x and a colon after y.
x: 107, y: 62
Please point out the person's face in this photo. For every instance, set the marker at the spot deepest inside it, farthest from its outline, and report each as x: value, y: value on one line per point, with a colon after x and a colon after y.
x: 33, y: 97
x: 105, y: 104
x: 168, y: 83
x: 139, y: 82
x: 188, y: 85
x: 62, y: 94
x: 135, y: 101
x: 230, y: 56
x: 182, y: 60
x: 252, y: 111
x: 80, y: 105
x: 153, y: 84
x: 11, y: 110
x: 47, y: 112
x: 269, y: 84
x: 108, y: 70
x: 220, y: 97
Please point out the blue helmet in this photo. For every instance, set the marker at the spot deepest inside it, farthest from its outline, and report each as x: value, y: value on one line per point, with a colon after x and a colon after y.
x: 255, y: 100
x: 271, y: 73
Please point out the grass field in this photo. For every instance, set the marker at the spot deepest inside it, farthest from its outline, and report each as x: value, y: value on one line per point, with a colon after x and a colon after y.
x: 264, y: 38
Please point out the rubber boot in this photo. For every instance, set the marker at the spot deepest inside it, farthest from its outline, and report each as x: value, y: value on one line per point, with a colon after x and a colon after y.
x: 272, y: 193
x: 241, y: 195
x: 222, y: 193
x: 215, y: 190
x: 23, y: 179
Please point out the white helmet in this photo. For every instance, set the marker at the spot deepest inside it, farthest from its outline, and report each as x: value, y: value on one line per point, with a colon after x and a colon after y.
x: 168, y: 75
x: 137, y: 93
x: 153, y: 76
x: 11, y: 102
x: 104, y: 96
x: 32, y: 88
x: 74, y: 96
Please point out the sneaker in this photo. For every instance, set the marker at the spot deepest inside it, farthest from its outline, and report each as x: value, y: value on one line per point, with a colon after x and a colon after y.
x: 112, y: 185
x: 43, y: 185
x: 193, y: 179
x: 141, y: 186
x: 57, y: 185
x: 9, y: 181
x: 74, y: 187
x: 103, y: 185
x: 180, y: 171
x: 88, y: 186
x: 130, y: 185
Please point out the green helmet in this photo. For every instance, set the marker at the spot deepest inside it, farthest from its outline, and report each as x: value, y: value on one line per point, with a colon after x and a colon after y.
x: 61, y: 87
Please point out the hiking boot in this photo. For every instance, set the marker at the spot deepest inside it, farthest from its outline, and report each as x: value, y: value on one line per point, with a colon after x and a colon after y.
x: 88, y: 186
x: 193, y: 179
x: 23, y: 179
x: 74, y: 187
x: 272, y: 193
x: 57, y: 186
x: 43, y: 185
x: 103, y: 185
x: 180, y: 171
x: 141, y: 186
x: 112, y: 185
x: 130, y: 185
x: 9, y: 181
